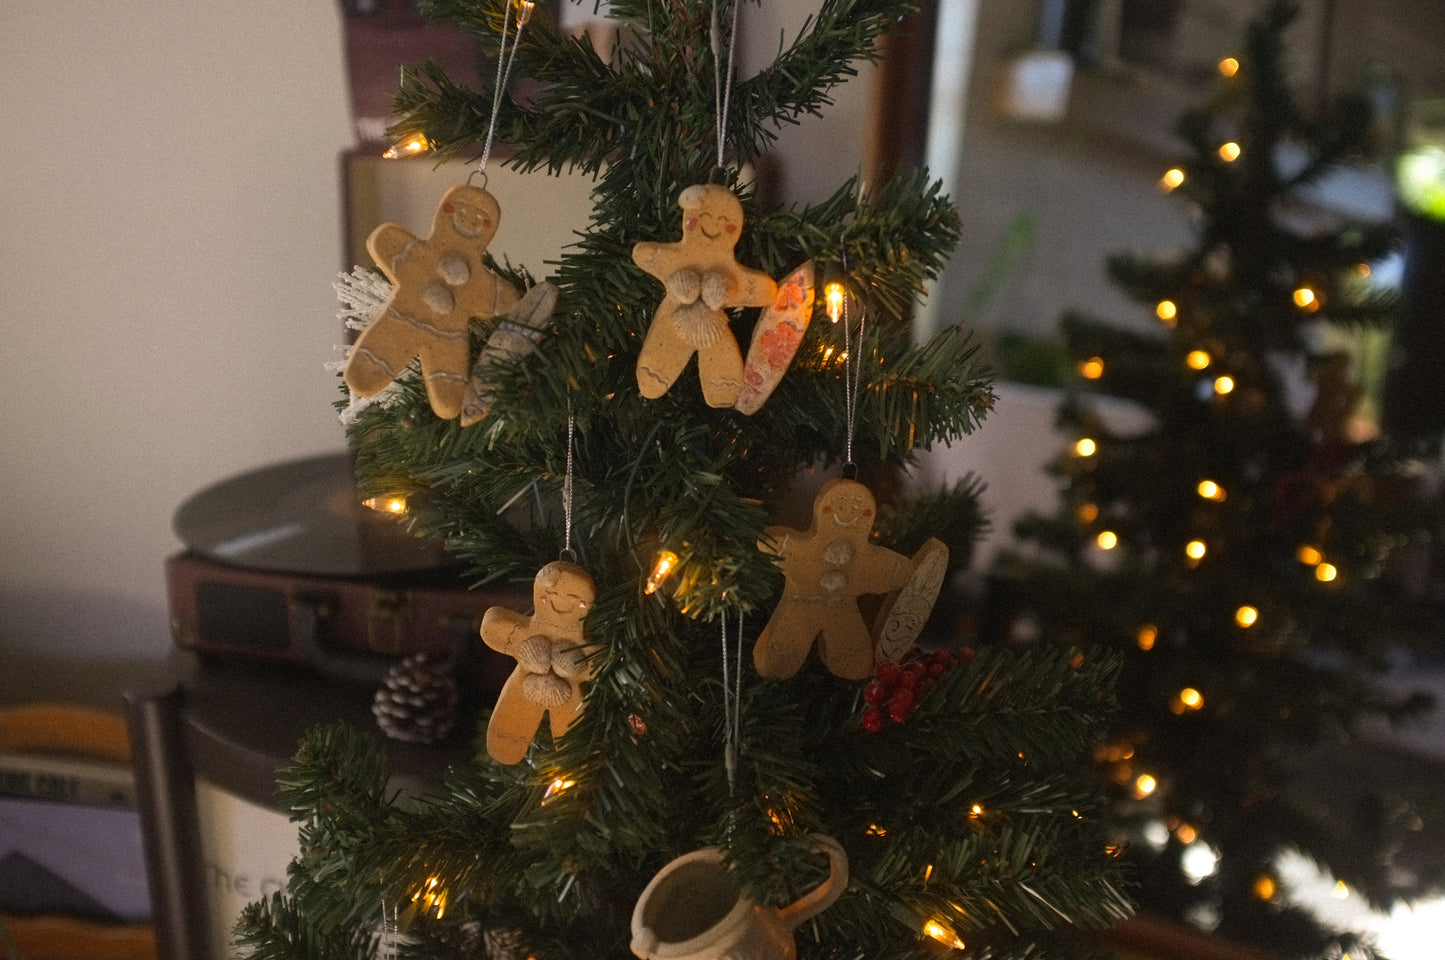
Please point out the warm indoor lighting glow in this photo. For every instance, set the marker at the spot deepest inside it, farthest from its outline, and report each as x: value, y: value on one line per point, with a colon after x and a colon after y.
x: 410, y: 147
x: 1305, y: 299
x: 976, y: 810
x: 386, y: 504
x: 833, y: 300
x: 665, y: 564
x: 1326, y: 572
x: 1085, y: 447
x: 1107, y: 540
x: 1092, y: 368
x: 1167, y: 310
x: 1195, y: 550
x: 432, y: 896
x: 1264, y: 887
x: 1145, y: 636
x: 1198, y: 359
x: 1310, y: 555
x: 1210, y: 490
x: 1145, y: 785
x: 1246, y: 616
x: 1229, y: 152
x: 557, y: 786
x: 942, y: 934
x: 1229, y: 66
x: 1172, y: 178
x: 1188, y: 699
x: 1223, y: 385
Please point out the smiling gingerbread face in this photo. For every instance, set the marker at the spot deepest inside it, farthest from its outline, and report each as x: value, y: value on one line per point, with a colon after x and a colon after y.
x: 471, y: 212
x: 711, y: 215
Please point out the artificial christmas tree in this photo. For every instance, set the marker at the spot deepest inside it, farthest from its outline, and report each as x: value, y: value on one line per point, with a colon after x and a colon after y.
x: 1227, y: 524
x: 635, y: 749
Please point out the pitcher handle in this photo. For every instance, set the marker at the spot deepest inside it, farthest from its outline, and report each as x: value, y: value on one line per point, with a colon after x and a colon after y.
x: 822, y: 897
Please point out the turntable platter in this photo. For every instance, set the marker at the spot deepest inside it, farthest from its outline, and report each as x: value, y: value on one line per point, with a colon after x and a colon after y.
x: 303, y: 516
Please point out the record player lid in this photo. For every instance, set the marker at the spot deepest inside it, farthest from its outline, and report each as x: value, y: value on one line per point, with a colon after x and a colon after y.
x: 303, y: 516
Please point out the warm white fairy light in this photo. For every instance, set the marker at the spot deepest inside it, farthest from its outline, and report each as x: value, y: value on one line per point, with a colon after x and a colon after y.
x: 1223, y: 385
x: 943, y: 934
x: 1198, y: 359
x: 1195, y: 549
x: 833, y: 297
x: 1107, y: 540
x: 1146, y: 636
x: 664, y: 565
x: 1085, y: 447
x: 1144, y: 785
x: 1246, y: 616
x: 413, y: 145
x: 1172, y: 179
x: 1092, y: 368
x: 1210, y: 490
x: 1167, y: 310
x: 1229, y: 66
x: 1229, y: 152
x: 392, y: 505
x: 1306, y: 299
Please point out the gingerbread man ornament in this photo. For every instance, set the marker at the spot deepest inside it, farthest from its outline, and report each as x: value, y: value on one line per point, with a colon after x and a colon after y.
x: 702, y: 280
x: 441, y: 284
x: 826, y: 569
x: 551, y: 651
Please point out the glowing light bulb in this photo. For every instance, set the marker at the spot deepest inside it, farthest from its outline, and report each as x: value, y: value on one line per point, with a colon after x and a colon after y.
x: 1306, y: 300
x: 1341, y: 891
x: 666, y: 562
x: 415, y: 144
x: 1198, y: 359
x: 559, y: 785
x: 1144, y: 785
x: 1107, y: 540
x: 942, y: 934
x: 1092, y: 368
x: 1085, y: 447
x: 1223, y: 385
x: 1229, y: 66
x: 1087, y: 512
x: 1186, y: 701
x: 524, y: 12
x: 1168, y: 311
x: 1325, y: 572
x: 432, y: 896
x: 1265, y: 887
x: 1210, y: 490
x: 1186, y: 834
x: 833, y: 295
x: 976, y: 810
x: 1310, y: 555
x: 393, y: 504
x: 1145, y: 636
x: 1229, y: 152
x: 1246, y: 616
x: 1173, y: 178
x: 1195, y: 550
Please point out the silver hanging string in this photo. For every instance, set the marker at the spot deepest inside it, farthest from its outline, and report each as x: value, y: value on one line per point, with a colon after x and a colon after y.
x: 732, y: 702
x: 504, y: 72
x: 723, y: 86
x: 567, y: 551
x: 852, y: 372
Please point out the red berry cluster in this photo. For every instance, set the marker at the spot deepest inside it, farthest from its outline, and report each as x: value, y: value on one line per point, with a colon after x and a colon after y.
x: 896, y: 687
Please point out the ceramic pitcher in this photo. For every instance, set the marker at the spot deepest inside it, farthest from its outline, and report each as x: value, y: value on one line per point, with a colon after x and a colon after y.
x: 689, y: 911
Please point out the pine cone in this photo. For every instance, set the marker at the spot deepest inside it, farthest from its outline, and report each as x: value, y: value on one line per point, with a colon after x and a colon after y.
x: 417, y: 703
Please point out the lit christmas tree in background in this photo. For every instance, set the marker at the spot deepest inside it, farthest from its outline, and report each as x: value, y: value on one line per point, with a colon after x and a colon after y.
x: 705, y: 676
x: 1231, y: 527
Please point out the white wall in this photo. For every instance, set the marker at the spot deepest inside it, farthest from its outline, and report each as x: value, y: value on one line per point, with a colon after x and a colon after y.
x: 169, y: 231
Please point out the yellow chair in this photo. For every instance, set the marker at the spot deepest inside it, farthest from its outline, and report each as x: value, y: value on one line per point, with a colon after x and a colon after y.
x: 57, y: 729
